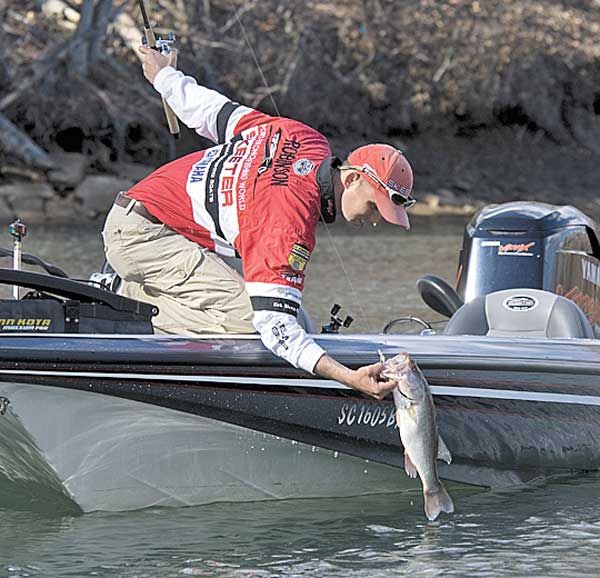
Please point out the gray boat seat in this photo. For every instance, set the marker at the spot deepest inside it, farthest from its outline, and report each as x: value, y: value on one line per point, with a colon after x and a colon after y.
x: 520, y: 313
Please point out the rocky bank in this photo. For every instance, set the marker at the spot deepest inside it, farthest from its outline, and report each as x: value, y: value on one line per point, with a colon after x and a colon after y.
x: 491, y: 101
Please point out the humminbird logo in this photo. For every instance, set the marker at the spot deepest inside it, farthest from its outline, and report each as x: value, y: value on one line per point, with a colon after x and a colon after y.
x: 24, y: 324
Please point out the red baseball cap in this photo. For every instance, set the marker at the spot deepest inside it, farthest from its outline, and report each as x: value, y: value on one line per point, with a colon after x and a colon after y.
x: 391, y: 175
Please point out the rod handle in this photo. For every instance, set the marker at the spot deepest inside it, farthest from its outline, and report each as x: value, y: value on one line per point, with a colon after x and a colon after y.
x: 171, y: 120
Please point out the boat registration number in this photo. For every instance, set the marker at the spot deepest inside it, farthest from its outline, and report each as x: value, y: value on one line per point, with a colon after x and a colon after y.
x: 367, y: 414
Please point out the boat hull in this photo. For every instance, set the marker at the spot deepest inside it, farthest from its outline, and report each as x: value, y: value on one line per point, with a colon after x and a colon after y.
x: 222, y: 419
x: 114, y: 454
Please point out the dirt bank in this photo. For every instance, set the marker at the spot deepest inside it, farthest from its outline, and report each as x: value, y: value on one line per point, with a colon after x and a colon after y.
x: 490, y: 100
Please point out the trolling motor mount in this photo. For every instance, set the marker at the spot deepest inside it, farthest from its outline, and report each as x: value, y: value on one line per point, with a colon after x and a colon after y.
x: 336, y: 322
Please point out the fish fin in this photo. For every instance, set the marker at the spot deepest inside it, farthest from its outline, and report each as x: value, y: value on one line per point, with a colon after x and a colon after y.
x: 443, y: 451
x: 412, y: 412
x: 398, y: 417
x: 437, y: 501
x: 409, y: 467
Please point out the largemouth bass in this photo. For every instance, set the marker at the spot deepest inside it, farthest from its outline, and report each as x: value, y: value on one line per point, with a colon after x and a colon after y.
x: 415, y: 416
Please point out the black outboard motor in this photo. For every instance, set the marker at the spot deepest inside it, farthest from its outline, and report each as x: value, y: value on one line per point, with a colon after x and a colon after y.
x: 526, y: 245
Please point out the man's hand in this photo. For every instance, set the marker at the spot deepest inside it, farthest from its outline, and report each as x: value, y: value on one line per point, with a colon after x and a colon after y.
x: 153, y: 61
x: 367, y: 379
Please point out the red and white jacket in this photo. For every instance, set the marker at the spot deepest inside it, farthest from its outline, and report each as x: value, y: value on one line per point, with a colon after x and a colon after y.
x: 255, y: 194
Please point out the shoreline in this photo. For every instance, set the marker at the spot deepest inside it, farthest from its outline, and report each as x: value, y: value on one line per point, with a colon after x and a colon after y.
x: 454, y: 176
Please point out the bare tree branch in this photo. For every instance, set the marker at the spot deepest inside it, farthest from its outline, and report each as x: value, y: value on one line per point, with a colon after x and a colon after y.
x: 15, y: 141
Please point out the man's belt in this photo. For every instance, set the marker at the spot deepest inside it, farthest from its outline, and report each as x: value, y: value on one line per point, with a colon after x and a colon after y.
x: 124, y: 201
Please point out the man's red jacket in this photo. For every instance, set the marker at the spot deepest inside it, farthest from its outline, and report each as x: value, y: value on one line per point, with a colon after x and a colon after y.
x: 258, y: 193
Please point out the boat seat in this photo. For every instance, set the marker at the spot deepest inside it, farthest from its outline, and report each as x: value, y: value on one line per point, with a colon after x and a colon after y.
x: 520, y: 313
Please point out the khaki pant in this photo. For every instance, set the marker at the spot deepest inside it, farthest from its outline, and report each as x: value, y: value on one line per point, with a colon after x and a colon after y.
x: 195, y: 291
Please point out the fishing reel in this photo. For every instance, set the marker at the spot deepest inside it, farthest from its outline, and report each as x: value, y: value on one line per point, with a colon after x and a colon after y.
x: 162, y: 45
x: 336, y: 322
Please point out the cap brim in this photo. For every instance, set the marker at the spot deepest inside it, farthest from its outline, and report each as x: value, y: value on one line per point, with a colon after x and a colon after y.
x: 395, y: 214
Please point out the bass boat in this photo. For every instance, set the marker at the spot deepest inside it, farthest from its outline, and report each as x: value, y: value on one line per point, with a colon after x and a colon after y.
x: 97, y: 410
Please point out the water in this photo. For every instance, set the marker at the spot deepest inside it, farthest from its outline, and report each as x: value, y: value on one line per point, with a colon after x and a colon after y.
x: 553, y: 530
x: 370, y: 272
x: 539, y: 531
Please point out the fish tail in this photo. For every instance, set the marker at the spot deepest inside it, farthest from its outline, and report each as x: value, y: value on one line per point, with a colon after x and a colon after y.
x: 437, y: 501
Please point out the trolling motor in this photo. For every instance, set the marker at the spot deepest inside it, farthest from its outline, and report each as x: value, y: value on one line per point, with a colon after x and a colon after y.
x: 336, y: 322
x: 18, y: 230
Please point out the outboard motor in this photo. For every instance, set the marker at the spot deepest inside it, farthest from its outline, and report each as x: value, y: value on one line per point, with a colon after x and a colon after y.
x: 529, y: 245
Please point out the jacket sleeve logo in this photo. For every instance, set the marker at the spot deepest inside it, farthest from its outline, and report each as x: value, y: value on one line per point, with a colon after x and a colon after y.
x: 299, y: 257
x: 303, y: 167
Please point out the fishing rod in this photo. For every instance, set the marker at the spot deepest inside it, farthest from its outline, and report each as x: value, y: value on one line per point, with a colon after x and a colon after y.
x: 162, y: 45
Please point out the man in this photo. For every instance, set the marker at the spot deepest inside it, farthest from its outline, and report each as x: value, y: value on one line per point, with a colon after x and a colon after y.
x: 258, y: 194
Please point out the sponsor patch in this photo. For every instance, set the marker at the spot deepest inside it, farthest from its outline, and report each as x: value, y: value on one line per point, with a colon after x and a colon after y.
x: 280, y: 332
x: 275, y: 304
x: 295, y: 279
x: 298, y: 257
x: 270, y: 152
x: 304, y: 167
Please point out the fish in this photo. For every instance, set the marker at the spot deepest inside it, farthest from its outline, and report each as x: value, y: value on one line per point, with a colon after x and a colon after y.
x: 415, y: 416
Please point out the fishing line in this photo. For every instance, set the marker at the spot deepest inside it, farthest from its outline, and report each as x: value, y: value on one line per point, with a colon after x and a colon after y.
x: 254, y: 57
x: 335, y: 248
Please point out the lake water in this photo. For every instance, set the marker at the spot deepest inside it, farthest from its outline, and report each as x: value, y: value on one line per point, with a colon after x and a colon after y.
x: 371, y: 272
x: 552, y: 529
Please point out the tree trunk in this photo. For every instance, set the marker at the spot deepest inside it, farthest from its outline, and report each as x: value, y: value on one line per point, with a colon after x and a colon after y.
x: 16, y: 142
x: 88, y: 40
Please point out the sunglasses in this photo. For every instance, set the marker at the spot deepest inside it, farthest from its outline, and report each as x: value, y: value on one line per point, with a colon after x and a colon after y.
x: 397, y: 198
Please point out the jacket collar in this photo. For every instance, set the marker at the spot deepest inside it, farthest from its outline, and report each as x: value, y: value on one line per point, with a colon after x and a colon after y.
x: 325, y: 183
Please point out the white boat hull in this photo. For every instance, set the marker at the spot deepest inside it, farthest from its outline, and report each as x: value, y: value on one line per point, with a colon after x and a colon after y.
x: 114, y: 454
